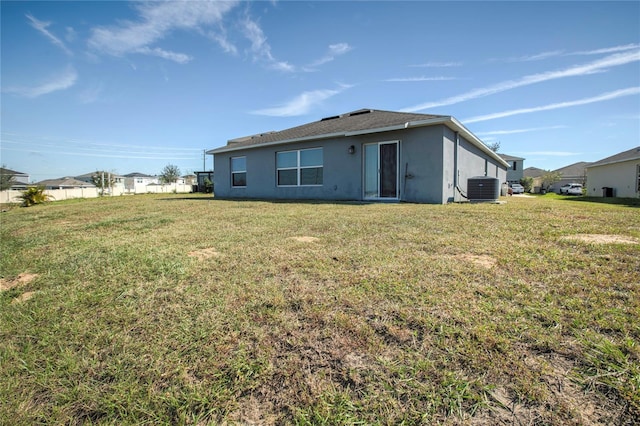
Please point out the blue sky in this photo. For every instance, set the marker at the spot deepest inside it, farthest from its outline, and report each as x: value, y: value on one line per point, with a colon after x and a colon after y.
x: 134, y: 86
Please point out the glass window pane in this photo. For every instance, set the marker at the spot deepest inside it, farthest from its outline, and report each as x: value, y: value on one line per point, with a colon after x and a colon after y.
x: 239, y: 179
x: 239, y: 164
x: 287, y: 159
x: 311, y: 157
x: 288, y: 177
x: 311, y: 176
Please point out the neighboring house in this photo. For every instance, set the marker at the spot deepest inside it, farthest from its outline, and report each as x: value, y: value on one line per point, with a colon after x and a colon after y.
x: 64, y: 183
x: 362, y: 155
x: 20, y: 180
x: 118, y: 181
x: 515, y: 172
x: 573, y: 173
x: 137, y: 182
x: 615, y: 176
x: 536, y: 174
x: 189, y: 179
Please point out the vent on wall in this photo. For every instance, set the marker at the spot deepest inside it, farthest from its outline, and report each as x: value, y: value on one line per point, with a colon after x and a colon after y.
x: 483, y: 188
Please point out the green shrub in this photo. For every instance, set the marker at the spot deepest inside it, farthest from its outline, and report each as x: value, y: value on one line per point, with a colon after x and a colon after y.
x: 34, y: 195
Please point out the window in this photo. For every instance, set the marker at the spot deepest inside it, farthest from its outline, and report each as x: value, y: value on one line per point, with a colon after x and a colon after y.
x: 299, y: 168
x: 515, y: 165
x: 638, y: 183
x: 238, y: 171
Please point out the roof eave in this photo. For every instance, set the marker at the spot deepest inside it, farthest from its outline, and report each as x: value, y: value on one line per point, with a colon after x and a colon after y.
x: 612, y: 162
x: 449, y: 121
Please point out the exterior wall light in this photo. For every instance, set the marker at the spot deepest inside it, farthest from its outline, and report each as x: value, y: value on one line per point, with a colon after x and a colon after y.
x: 352, y: 149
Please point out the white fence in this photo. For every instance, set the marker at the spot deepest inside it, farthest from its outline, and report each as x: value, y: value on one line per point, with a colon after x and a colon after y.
x: 11, y: 196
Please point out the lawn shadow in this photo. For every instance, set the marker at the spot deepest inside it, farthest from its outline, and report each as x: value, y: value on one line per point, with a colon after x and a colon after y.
x: 629, y: 202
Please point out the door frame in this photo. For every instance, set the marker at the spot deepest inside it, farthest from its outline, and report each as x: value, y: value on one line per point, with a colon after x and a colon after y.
x: 378, y: 172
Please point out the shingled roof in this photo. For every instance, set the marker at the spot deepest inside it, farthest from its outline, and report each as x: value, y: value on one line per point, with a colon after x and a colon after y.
x: 338, y: 125
x: 362, y: 121
x: 632, y: 154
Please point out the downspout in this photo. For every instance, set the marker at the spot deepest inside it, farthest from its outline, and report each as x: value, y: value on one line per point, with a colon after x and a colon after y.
x: 455, y: 164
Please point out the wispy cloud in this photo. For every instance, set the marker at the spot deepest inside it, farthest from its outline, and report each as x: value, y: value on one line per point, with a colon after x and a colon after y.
x: 437, y: 65
x: 302, y: 103
x: 42, y: 27
x: 157, y: 20
x: 515, y: 131
x: 414, y: 79
x: 334, y: 51
x: 180, y: 58
x: 600, y: 65
x: 600, y: 98
x: 60, y: 81
x: 557, y: 53
x: 260, y: 48
x: 613, y: 49
x: 537, y: 57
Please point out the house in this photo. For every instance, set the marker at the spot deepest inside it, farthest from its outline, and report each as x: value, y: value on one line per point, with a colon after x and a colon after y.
x: 515, y: 172
x: 64, y: 183
x: 116, y: 188
x: 536, y: 174
x: 190, y: 179
x: 367, y: 154
x: 615, y: 176
x: 20, y: 180
x: 137, y: 182
x: 573, y: 173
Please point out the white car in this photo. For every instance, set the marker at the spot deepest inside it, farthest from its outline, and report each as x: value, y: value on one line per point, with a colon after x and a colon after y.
x: 574, y: 189
x: 516, y: 188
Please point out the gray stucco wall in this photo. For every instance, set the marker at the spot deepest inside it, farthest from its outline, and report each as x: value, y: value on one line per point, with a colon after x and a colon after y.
x: 426, y: 156
x: 472, y: 162
x: 341, y: 173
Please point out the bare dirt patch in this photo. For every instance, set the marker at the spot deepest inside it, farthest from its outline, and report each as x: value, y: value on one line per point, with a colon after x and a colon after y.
x: 305, y: 239
x: 22, y: 279
x: 601, y: 239
x: 23, y: 297
x: 204, y: 254
x: 483, y: 260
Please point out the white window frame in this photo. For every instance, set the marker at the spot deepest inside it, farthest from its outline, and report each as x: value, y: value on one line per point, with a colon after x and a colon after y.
x: 233, y: 172
x: 298, y: 168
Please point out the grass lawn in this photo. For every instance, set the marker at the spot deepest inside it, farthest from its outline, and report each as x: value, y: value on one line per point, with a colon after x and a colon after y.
x: 173, y: 309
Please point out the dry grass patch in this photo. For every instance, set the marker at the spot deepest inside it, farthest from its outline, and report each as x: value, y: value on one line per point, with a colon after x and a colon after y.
x: 21, y: 280
x: 305, y: 239
x: 601, y: 239
x: 389, y: 314
x: 24, y: 297
x: 204, y: 254
x: 482, y: 260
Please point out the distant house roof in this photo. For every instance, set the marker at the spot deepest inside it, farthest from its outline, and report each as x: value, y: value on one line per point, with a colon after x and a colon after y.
x: 11, y: 172
x: 632, y: 154
x: 65, y: 182
x: 533, y: 172
x: 90, y: 175
x: 136, y: 174
x: 18, y: 177
x: 510, y: 157
x: 575, y: 169
x: 363, y: 121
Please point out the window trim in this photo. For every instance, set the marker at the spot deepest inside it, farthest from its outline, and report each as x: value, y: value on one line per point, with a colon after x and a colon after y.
x: 234, y: 172
x: 298, y: 168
